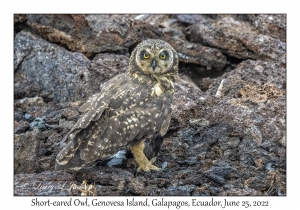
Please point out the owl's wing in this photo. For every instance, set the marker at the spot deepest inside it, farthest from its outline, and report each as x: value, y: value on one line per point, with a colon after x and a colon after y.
x: 93, y: 109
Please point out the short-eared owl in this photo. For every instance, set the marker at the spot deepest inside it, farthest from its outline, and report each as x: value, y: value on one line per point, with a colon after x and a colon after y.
x: 131, y: 108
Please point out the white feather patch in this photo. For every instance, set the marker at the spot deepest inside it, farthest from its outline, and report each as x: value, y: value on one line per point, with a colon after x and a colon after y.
x: 117, y: 159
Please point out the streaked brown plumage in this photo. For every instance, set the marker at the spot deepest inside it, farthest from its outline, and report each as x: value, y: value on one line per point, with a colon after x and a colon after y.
x: 130, y: 108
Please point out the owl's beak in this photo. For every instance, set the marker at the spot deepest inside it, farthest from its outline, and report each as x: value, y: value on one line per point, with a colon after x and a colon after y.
x: 153, y: 64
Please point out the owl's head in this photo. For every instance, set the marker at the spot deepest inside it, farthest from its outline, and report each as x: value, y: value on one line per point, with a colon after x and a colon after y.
x: 156, y: 57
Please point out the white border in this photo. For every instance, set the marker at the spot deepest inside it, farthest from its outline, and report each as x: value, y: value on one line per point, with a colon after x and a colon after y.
x: 8, y: 8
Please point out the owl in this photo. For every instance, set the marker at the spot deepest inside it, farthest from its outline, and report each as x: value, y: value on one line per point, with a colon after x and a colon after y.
x: 131, y: 109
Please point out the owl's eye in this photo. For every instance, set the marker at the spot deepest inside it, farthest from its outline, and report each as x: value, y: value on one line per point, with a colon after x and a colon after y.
x: 146, y: 55
x: 162, y: 56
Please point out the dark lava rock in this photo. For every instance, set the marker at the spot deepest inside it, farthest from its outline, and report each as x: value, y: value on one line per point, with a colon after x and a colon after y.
x: 269, y: 24
x: 238, y: 39
x: 109, y: 181
x: 37, y: 123
x: 109, y: 65
x: 188, y: 161
x: 56, y: 74
x: 241, y: 192
x: 229, y: 143
x: 212, y: 133
x: 18, y: 18
x: 35, y: 151
x: 70, y: 113
x: 45, y: 183
x: 187, y: 98
x: 181, y: 190
x: 26, y: 146
x: 91, y: 34
x: 28, y: 117
x: 18, y: 115
x: 20, y: 127
x: 47, y: 70
x: 217, y: 174
x: 25, y: 104
x: 190, y: 19
x: 166, y: 23
x: 186, y: 135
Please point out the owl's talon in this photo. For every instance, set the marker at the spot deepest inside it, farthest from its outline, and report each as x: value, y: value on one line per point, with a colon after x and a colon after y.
x: 146, y: 168
x: 154, y: 168
x: 141, y: 169
x: 142, y: 161
x: 152, y: 160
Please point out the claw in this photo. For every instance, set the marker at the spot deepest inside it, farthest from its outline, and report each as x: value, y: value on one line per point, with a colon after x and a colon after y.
x: 149, y: 167
x: 154, y: 168
x: 152, y: 160
x: 142, y: 161
x: 146, y: 169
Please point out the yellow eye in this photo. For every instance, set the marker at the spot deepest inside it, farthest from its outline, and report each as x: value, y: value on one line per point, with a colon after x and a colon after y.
x: 146, y: 55
x: 163, y: 56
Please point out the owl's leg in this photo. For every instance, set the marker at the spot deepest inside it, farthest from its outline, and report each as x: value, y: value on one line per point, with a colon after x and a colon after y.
x: 143, y: 162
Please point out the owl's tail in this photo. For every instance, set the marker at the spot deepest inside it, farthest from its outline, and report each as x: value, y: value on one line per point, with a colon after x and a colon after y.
x: 75, y: 163
x: 69, y: 156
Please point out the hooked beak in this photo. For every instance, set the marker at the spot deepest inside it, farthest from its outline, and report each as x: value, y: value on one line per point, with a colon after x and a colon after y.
x: 153, y: 64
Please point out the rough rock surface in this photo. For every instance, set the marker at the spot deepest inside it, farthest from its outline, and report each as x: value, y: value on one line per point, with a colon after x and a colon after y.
x: 90, y: 34
x: 228, y: 129
x: 238, y: 39
x: 53, y: 73
x: 272, y: 25
x: 19, y: 18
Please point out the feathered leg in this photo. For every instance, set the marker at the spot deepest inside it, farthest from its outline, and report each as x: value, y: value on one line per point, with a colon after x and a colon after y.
x: 138, y: 153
